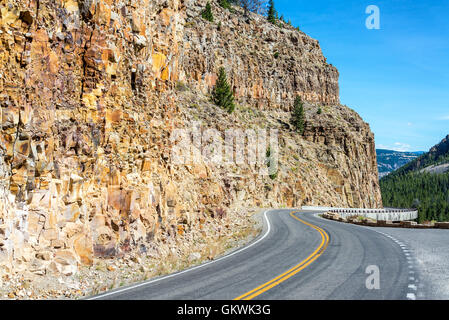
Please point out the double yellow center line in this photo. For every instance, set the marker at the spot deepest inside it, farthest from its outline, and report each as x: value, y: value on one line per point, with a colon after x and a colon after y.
x: 291, y: 272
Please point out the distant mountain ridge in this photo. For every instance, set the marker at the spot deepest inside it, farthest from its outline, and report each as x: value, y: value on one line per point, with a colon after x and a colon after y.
x: 437, y: 155
x: 390, y: 160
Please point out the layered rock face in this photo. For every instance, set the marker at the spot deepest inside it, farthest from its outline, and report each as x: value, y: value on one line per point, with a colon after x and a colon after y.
x: 89, y: 100
x: 85, y: 128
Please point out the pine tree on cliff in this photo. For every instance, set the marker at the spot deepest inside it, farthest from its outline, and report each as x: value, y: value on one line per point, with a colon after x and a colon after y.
x: 298, y: 115
x: 207, y: 13
x: 222, y: 94
x: 225, y: 4
x: 272, y: 12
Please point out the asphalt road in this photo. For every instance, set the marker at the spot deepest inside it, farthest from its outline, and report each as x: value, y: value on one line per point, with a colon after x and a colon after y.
x: 297, y: 256
x: 429, y: 257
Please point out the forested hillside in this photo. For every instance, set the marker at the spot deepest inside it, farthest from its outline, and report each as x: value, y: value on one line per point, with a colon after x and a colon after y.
x: 411, y: 186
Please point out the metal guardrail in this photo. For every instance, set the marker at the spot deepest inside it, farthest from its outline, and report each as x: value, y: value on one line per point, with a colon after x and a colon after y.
x: 388, y: 214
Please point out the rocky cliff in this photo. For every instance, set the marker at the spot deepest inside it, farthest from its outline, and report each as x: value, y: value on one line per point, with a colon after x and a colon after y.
x: 90, y: 93
x: 268, y: 65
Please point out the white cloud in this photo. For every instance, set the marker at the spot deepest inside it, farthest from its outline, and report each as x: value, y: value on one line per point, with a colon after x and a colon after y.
x: 444, y: 118
x: 397, y: 146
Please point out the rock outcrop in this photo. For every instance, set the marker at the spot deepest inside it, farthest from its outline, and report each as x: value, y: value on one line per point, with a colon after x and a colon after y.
x: 90, y: 93
x: 268, y: 65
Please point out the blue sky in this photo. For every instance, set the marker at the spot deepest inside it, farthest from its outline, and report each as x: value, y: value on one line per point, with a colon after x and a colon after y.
x: 396, y: 78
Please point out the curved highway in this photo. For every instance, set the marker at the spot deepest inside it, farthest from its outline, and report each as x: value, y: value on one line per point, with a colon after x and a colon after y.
x: 298, y: 255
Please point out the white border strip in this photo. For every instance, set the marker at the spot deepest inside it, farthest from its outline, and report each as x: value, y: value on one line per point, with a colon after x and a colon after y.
x: 187, y: 270
x: 388, y: 214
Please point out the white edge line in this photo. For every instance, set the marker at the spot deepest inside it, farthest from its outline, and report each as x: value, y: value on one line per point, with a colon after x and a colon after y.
x: 411, y: 296
x: 187, y: 270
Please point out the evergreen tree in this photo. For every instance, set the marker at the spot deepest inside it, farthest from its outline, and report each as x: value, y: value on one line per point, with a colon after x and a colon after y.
x: 222, y: 94
x: 298, y: 115
x: 272, y: 12
x: 225, y: 4
x: 207, y: 13
x: 271, y: 164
